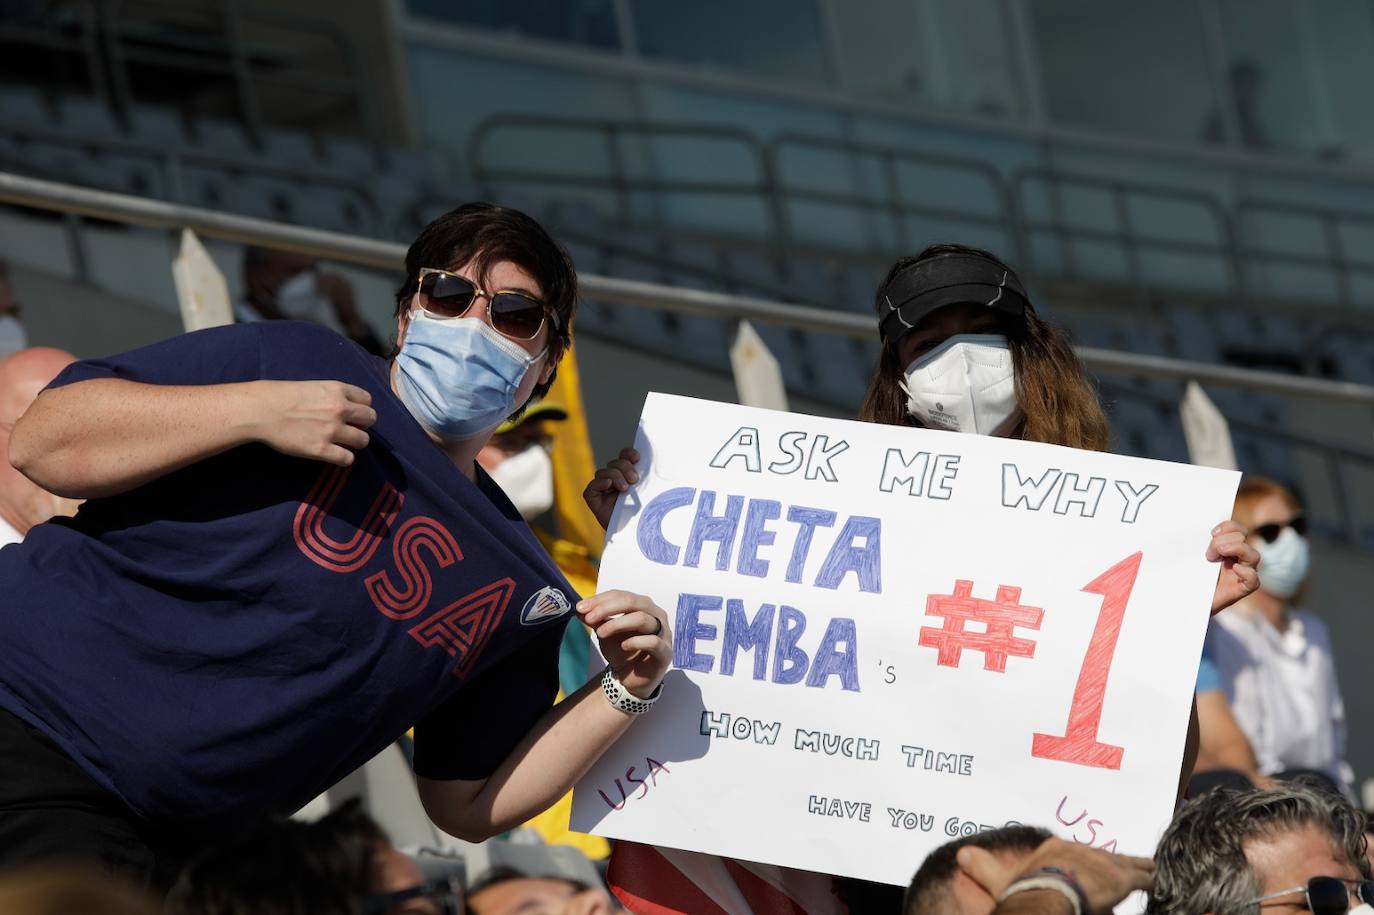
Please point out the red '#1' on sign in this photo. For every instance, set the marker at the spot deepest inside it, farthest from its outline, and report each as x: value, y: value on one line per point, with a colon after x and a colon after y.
x: 1079, y: 744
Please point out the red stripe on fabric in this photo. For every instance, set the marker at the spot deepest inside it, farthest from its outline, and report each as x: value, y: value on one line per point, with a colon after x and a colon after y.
x: 763, y: 897
x: 646, y: 883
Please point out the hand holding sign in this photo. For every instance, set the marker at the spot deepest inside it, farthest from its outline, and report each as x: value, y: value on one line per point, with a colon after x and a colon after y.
x: 633, y: 636
x: 1239, y: 562
x: 610, y: 481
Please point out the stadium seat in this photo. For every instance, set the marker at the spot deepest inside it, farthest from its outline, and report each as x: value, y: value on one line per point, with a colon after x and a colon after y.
x: 222, y: 136
x: 23, y: 105
x: 1191, y: 335
x: 87, y: 116
x: 290, y: 147
x: 158, y: 125
x: 351, y: 156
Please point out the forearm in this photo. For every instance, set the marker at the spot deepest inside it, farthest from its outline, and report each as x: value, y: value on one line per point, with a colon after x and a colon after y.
x: 106, y: 436
x: 560, y: 749
x: 1223, y: 744
x: 1230, y: 754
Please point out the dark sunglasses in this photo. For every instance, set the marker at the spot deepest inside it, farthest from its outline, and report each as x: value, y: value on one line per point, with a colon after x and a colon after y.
x: 1270, y: 532
x: 1327, y: 895
x: 446, y: 892
x: 513, y: 314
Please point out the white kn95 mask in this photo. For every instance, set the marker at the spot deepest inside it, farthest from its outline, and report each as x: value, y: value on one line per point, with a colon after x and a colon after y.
x: 966, y: 384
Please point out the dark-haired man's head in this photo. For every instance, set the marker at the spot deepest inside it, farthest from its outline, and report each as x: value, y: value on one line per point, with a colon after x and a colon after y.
x: 1227, y: 850
x: 279, y: 866
x: 506, y: 891
x: 940, y: 887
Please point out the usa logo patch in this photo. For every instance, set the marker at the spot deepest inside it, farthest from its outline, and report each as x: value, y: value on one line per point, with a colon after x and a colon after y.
x: 547, y: 603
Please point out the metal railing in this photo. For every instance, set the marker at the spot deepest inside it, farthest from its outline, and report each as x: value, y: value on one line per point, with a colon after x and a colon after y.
x: 123, y: 208
x: 177, y: 169
x: 767, y: 182
x: 1019, y: 196
x: 1330, y: 223
x: 1125, y: 232
x: 899, y: 207
x: 1336, y: 458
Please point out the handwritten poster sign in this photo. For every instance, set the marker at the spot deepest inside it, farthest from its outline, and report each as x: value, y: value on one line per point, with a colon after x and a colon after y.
x: 885, y: 638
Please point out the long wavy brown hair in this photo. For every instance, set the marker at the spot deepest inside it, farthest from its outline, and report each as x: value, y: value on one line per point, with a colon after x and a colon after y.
x: 1059, y: 403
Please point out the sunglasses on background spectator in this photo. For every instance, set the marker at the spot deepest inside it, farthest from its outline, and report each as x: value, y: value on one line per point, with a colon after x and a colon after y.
x: 443, y: 896
x: 1270, y: 532
x: 1327, y: 895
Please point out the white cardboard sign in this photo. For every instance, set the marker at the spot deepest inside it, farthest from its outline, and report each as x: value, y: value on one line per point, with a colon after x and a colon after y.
x: 885, y: 638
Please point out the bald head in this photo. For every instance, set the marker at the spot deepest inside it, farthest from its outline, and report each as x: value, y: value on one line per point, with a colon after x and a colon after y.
x: 24, y: 374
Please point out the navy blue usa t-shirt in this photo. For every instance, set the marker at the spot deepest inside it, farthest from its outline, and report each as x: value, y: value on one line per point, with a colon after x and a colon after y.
x: 243, y: 632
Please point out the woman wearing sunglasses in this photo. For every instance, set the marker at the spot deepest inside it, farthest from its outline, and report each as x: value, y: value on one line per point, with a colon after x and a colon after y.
x: 1274, y: 657
x: 288, y: 557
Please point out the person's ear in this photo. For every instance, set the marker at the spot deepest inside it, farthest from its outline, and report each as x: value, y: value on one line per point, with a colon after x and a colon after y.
x: 403, y: 323
x: 556, y: 351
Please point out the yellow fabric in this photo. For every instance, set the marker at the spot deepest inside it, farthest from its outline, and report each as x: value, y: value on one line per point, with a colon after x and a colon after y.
x: 573, y: 464
x: 576, y: 551
x: 552, y: 824
x: 573, y: 560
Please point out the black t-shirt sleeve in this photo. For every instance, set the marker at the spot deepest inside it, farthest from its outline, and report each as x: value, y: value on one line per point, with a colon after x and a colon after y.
x: 218, y: 355
x: 471, y: 734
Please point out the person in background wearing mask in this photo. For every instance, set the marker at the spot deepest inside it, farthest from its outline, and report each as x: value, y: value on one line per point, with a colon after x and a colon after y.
x: 13, y: 337
x: 284, y: 285
x: 517, y: 457
x: 23, y: 504
x: 288, y: 557
x: 1274, y: 657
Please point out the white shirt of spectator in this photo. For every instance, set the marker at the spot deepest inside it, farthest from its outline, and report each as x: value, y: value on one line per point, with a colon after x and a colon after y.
x: 1283, y: 691
x: 8, y: 534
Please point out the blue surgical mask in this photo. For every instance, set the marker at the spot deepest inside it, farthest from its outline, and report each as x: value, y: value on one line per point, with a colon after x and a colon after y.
x: 458, y: 376
x: 1284, y: 563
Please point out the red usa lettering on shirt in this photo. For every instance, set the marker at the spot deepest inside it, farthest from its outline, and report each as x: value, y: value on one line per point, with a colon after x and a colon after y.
x: 403, y: 592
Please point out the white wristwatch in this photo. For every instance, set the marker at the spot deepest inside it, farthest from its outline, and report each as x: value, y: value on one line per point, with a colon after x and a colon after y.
x: 622, y: 698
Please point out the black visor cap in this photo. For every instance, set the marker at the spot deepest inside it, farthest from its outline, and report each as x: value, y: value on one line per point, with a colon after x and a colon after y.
x: 948, y: 279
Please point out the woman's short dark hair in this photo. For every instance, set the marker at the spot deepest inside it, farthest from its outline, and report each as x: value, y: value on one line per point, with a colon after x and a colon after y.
x: 483, y: 234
